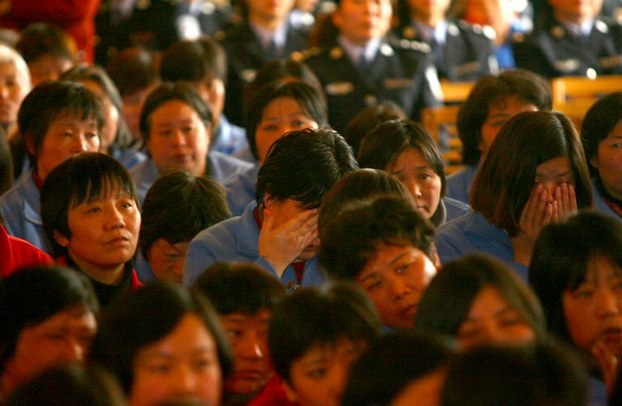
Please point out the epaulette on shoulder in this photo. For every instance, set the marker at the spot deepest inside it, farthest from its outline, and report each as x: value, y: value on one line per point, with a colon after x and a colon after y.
x: 403, y: 43
x: 301, y: 56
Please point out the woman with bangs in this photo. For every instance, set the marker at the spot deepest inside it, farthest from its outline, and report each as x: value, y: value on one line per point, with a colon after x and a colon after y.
x: 275, y: 109
x: 576, y: 272
x: 479, y: 301
x: 407, y: 150
x: 90, y: 213
x: 535, y: 173
x: 117, y: 140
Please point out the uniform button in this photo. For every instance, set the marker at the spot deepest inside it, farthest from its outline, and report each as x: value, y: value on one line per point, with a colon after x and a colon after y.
x: 371, y: 100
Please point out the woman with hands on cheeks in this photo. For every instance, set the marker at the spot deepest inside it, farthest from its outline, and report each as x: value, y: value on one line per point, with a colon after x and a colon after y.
x: 576, y: 272
x: 535, y: 173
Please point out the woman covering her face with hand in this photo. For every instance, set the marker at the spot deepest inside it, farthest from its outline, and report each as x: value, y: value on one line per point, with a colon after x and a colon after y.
x: 535, y: 173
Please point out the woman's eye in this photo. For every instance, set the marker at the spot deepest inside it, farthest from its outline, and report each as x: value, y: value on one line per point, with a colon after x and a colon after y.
x: 317, y: 373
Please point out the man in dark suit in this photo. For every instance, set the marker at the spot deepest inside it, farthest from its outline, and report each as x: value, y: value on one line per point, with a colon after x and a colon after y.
x: 361, y: 66
x: 574, y: 42
x: 462, y: 52
x: 264, y: 34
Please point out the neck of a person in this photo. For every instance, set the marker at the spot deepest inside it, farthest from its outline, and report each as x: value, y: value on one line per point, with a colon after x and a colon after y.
x: 110, y: 275
x: 430, y: 19
x: 577, y: 19
x: 267, y: 23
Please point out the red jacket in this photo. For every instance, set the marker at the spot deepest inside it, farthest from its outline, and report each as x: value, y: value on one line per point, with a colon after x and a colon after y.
x: 16, y: 253
x: 273, y: 394
x: 76, y: 17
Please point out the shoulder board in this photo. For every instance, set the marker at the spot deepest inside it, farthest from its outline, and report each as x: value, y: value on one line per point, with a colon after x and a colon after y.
x: 410, y: 44
x: 300, y: 56
x: 489, y: 32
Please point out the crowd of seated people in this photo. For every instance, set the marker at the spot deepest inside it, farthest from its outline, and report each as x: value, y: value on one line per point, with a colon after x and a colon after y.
x: 237, y: 202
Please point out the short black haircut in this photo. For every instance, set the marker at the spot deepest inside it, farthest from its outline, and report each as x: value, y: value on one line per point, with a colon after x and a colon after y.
x: 33, y: 295
x: 170, y: 91
x: 304, y: 165
x: 242, y: 287
x: 40, y: 39
x: 534, y: 375
x: 318, y: 316
x: 349, y: 241
x: 193, y: 61
x: 393, y: 362
x: 178, y: 206
x: 50, y: 101
x: 81, y: 178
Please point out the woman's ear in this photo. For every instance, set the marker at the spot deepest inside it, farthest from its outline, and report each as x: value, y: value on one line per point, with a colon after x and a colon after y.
x: 61, y: 239
x: 290, y: 392
x: 30, y: 145
x: 267, y: 200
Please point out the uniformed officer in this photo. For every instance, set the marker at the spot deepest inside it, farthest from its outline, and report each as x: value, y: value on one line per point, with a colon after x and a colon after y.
x: 362, y: 66
x: 264, y: 34
x: 463, y: 52
x: 574, y: 42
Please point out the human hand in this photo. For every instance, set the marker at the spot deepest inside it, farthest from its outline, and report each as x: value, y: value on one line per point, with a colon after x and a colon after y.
x: 566, y: 199
x: 281, y: 244
x: 608, y: 363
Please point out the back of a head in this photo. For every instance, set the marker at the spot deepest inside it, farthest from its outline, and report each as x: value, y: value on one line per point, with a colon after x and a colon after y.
x: 359, y: 185
x: 391, y: 363
x: 40, y: 39
x: 193, y: 61
x: 540, y: 375
x: 240, y: 288
x: 304, y: 165
x: 349, y: 240
x: 132, y: 69
x: 368, y: 119
x: 70, y: 385
x: 178, y: 206
x: 319, y: 316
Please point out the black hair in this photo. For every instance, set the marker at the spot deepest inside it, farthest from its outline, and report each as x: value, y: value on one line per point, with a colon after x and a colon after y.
x: 241, y: 287
x: 370, y: 118
x: 178, y: 206
x: 170, y: 91
x: 349, y: 241
x: 319, y: 316
x: 303, y: 166
x: 50, y: 101
x: 561, y: 258
x: 598, y: 123
x: 359, y: 185
x: 528, y: 87
x: 393, y: 362
x: 81, y: 178
x: 96, y: 74
x: 193, y: 61
x: 447, y: 300
x: 383, y: 145
x: 70, y: 384
x: 40, y: 39
x: 33, y: 295
x: 145, y: 317
x: 309, y: 98
x: 534, y: 375
x: 133, y: 69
